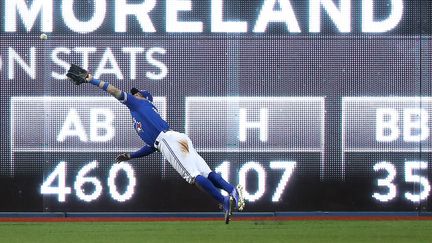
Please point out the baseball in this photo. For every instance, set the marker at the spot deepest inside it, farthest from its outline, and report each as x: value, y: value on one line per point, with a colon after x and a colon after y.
x: 43, y: 36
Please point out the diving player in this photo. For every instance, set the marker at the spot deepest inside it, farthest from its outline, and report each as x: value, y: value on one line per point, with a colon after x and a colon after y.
x: 176, y: 147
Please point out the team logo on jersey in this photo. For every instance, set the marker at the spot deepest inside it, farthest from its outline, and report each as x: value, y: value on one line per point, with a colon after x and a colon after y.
x: 137, y: 125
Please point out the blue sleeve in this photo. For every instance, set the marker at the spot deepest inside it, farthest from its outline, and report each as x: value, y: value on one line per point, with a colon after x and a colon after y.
x: 144, y: 151
x: 129, y: 100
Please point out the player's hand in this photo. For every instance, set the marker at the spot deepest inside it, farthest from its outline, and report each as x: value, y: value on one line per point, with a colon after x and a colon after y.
x: 78, y: 75
x: 89, y: 77
x: 123, y: 157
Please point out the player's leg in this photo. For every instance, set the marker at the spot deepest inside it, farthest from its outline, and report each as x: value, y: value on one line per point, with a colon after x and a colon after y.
x: 197, y: 166
x: 205, y: 170
x: 219, y: 182
x: 227, y: 202
x: 171, y: 150
x: 175, y: 148
x: 235, y: 192
x: 208, y: 187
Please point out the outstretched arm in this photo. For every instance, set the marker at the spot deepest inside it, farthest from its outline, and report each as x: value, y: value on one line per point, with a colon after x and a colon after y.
x: 79, y: 75
x: 109, y: 88
x: 144, y: 151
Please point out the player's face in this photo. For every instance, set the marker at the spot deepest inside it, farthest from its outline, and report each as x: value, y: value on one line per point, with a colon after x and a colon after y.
x: 139, y: 95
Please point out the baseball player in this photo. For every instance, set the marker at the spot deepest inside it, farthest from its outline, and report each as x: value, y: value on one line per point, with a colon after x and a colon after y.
x: 176, y: 147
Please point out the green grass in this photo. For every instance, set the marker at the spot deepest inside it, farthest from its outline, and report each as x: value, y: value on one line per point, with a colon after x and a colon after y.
x: 217, y: 231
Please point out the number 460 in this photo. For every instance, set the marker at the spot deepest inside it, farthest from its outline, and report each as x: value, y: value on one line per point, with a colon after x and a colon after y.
x: 82, y: 178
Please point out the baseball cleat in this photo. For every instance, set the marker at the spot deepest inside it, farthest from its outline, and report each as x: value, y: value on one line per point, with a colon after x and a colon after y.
x: 237, y: 194
x: 227, y: 207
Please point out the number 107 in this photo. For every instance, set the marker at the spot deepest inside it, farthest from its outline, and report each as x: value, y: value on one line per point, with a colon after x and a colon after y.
x: 286, y: 166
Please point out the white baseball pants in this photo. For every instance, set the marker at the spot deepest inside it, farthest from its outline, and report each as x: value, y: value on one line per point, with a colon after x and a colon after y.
x: 177, y: 148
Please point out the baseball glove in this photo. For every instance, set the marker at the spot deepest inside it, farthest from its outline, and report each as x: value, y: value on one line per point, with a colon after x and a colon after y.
x: 77, y: 75
x: 123, y: 157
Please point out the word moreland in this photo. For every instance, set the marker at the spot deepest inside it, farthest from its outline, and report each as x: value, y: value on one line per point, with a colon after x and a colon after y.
x: 270, y: 11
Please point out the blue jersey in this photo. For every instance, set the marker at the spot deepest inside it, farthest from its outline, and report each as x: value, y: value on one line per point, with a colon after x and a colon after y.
x: 147, y: 121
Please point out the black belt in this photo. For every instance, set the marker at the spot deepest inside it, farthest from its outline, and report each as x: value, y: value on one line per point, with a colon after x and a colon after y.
x: 157, y: 142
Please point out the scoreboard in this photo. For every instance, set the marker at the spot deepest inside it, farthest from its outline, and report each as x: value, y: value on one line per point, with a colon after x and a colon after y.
x: 315, y: 105
x: 390, y: 137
